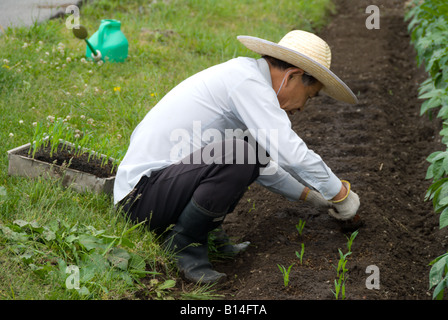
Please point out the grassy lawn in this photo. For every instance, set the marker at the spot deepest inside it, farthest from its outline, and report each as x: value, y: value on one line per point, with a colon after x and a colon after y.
x: 43, y: 77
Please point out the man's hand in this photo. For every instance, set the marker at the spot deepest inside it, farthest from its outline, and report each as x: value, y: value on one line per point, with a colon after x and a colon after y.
x: 345, y: 208
x: 315, y: 198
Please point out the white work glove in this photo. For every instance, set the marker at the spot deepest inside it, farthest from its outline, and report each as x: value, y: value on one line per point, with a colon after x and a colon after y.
x: 316, y: 199
x: 346, y: 208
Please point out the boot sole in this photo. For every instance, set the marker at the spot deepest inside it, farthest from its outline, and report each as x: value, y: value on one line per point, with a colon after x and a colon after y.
x: 221, y: 278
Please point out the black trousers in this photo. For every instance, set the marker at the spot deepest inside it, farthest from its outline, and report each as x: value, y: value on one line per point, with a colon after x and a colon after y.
x: 216, y: 177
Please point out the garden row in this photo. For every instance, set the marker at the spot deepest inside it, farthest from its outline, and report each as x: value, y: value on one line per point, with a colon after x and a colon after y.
x: 428, y: 25
x: 54, y: 240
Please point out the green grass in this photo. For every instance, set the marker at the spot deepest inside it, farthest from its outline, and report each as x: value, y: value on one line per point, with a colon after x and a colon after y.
x: 42, y: 76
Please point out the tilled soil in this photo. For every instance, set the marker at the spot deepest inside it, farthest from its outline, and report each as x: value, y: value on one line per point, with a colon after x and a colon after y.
x: 380, y: 146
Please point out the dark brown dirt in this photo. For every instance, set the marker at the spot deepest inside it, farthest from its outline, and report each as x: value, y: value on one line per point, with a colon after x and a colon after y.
x: 66, y: 157
x: 380, y: 146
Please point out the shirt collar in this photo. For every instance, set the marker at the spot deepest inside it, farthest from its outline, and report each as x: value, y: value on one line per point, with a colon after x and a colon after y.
x: 264, y: 69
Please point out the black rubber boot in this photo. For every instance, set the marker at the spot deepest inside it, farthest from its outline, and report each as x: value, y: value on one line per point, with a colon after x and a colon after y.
x: 225, y: 246
x: 189, y: 241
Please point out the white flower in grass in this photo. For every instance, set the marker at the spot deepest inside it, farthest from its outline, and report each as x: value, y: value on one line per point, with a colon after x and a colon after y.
x: 20, y: 121
x: 11, y: 135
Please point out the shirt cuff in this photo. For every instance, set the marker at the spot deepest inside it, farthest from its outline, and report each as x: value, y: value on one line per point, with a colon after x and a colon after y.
x: 331, y: 188
x: 277, y: 180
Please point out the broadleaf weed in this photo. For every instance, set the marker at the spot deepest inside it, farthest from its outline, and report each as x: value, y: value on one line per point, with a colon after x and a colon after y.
x: 100, y: 257
x: 428, y: 26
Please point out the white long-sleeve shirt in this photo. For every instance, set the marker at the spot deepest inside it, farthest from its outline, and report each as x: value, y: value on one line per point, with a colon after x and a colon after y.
x: 236, y: 95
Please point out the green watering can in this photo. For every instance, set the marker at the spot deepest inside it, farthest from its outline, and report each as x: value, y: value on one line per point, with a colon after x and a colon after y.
x: 108, y: 43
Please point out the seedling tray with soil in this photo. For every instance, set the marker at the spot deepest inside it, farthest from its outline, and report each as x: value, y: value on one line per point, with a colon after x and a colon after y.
x: 80, y: 171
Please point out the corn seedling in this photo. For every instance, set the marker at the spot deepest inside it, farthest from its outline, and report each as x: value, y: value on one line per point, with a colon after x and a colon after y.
x: 285, y: 272
x: 339, y: 288
x: 253, y: 205
x: 60, y: 134
x: 38, y: 141
x: 300, y: 255
x: 300, y: 226
x: 350, y: 240
x: 341, y: 273
x: 341, y: 270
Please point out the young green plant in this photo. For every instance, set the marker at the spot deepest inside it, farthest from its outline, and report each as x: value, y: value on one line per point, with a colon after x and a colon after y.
x: 300, y: 255
x: 341, y: 273
x: 351, y: 239
x: 61, y: 134
x: 300, y: 226
x: 341, y: 270
x: 103, y: 258
x: 428, y: 26
x: 285, y: 272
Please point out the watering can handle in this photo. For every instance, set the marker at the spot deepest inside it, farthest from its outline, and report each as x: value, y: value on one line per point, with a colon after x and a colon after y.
x: 101, y: 33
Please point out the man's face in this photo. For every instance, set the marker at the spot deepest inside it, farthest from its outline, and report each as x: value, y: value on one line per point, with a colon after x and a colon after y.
x: 295, y: 94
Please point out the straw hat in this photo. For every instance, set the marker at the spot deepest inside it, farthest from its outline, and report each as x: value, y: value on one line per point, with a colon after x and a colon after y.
x: 308, y: 52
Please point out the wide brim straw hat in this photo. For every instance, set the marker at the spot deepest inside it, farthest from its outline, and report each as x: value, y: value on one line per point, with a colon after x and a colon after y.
x: 309, y: 53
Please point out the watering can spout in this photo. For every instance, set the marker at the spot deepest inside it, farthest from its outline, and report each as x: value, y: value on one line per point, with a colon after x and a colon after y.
x: 110, y: 41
